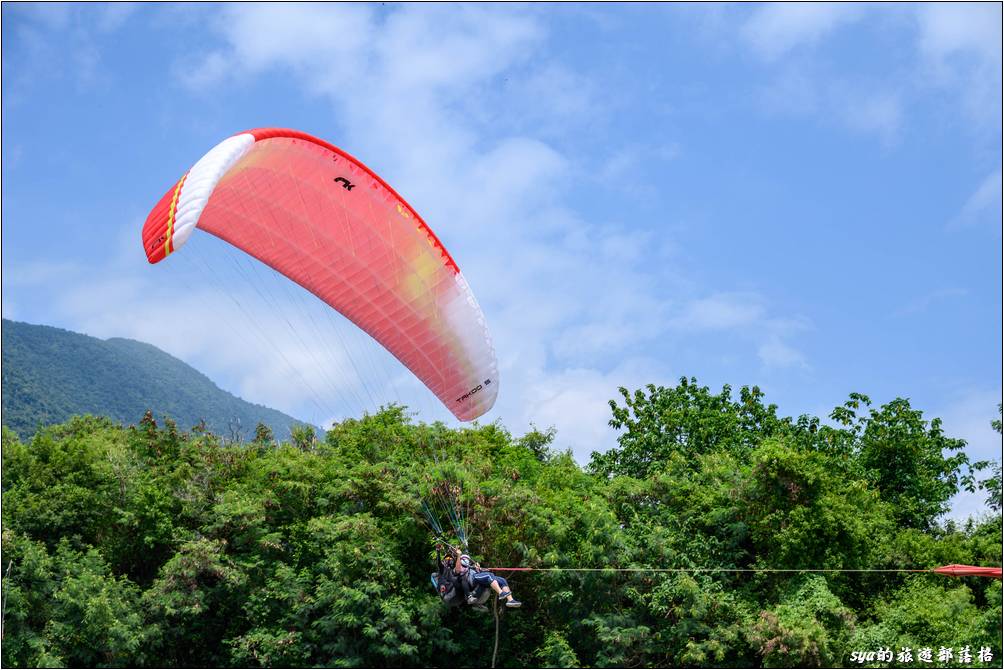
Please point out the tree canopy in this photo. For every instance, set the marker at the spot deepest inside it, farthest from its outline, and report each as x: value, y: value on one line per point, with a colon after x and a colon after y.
x: 729, y: 536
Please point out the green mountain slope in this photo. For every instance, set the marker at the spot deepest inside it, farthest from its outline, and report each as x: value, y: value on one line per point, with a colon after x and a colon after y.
x: 50, y: 374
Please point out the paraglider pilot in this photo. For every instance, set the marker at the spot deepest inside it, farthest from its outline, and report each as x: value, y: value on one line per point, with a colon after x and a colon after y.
x: 472, y: 576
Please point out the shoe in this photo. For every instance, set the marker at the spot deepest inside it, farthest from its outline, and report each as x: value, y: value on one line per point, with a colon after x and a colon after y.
x: 513, y: 604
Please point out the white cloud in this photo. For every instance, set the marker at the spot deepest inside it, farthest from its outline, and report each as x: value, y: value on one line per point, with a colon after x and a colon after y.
x: 564, y: 99
x: 723, y: 311
x: 774, y: 335
x: 958, y: 47
x: 113, y: 16
x: 875, y: 112
x: 51, y: 15
x: 984, y: 205
x: 925, y: 302
x: 206, y: 74
x: 968, y: 416
x: 34, y: 273
x: 862, y: 106
x: 60, y: 41
x: 960, y: 50
x: 576, y: 401
x: 791, y: 93
x: 774, y: 29
x: 745, y: 316
x: 948, y: 29
x: 774, y: 353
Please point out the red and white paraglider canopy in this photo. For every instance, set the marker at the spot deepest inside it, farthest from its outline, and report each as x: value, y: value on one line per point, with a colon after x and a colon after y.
x: 318, y: 216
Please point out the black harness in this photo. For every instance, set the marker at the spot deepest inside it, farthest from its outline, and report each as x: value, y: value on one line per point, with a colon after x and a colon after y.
x: 457, y: 589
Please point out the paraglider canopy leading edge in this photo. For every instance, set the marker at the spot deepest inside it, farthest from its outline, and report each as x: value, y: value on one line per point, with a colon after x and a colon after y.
x: 320, y: 217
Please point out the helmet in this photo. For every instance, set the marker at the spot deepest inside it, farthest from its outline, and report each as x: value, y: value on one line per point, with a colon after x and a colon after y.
x: 465, y: 560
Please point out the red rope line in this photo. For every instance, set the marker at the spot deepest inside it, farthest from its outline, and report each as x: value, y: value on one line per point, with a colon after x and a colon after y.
x: 712, y: 569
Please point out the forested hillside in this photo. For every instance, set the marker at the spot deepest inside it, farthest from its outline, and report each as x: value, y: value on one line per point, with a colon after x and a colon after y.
x: 50, y: 374
x: 733, y: 538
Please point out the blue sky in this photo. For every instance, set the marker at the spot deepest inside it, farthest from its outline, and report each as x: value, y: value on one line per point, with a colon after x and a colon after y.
x: 803, y: 197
